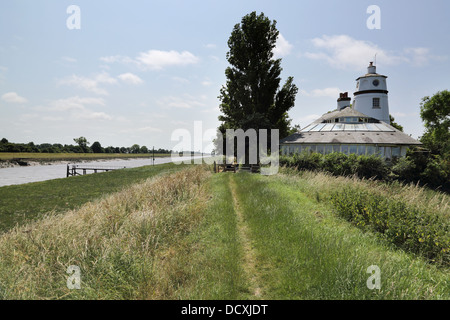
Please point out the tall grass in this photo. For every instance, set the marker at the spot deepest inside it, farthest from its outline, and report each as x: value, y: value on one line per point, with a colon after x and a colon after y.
x: 408, y: 216
x: 306, y: 252
x: 22, y: 203
x: 124, y: 244
x: 325, y: 184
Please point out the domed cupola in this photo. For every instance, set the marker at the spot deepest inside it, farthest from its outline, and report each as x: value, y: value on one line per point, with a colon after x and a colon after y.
x: 371, y: 95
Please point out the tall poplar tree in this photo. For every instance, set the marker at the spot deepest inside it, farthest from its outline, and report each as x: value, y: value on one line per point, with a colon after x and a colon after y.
x: 252, y: 97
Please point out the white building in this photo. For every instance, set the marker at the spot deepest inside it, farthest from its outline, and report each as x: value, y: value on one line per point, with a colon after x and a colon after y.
x: 363, y: 128
x: 371, y: 95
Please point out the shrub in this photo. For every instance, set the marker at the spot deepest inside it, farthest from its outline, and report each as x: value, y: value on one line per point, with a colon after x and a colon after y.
x: 436, y: 172
x: 410, y: 228
x: 404, y: 170
x: 371, y: 167
x: 337, y: 164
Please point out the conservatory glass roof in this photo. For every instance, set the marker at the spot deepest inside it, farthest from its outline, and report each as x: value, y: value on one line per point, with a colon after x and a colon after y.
x: 327, y: 127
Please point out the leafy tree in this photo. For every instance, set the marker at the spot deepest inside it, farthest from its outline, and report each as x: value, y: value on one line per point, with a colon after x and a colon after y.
x: 395, y: 124
x: 135, y: 148
x: 143, y: 149
x: 97, y: 147
x: 252, y: 98
x: 82, y: 143
x: 123, y: 150
x: 435, y: 113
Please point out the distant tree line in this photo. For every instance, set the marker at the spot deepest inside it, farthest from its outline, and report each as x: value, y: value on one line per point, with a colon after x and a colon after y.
x: 81, y: 146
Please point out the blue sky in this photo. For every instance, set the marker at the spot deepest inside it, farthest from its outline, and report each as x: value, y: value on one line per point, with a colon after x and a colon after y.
x: 138, y: 70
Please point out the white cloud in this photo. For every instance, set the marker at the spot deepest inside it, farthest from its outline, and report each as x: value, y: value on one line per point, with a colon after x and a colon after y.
x: 69, y: 59
x: 342, y: 51
x: 90, y: 115
x: 422, y: 56
x: 403, y: 115
x: 13, y: 97
x: 72, y: 103
x: 187, y: 102
x: 155, y: 59
x: 326, y: 92
x: 180, y: 80
x: 130, y: 78
x: 211, y: 46
x: 149, y: 129
x: 146, y: 129
x: 50, y: 118
x: 90, y: 84
x: 308, y: 119
x: 283, y: 47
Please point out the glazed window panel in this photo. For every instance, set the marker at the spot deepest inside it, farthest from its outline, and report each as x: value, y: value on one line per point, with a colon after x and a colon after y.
x: 353, y: 149
x: 320, y: 149
x: 388, y: 153
x: 376, y: 103
x: 336, y: 148
x: 396, y: 152
x: 361, y: 150
x: 344, y: 148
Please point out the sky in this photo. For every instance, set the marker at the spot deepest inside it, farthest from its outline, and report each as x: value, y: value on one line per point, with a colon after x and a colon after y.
x: 133, y: 72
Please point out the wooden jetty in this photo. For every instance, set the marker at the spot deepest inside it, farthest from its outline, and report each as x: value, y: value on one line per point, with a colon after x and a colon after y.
x: 74, y: 170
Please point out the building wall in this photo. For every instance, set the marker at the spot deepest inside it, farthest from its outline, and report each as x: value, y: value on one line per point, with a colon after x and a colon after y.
x: 364, y: 104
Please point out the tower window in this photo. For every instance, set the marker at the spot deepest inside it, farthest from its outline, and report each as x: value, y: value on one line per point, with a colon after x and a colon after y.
x: 376, y: 103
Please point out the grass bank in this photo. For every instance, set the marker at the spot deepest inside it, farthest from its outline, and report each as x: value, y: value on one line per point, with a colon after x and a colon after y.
x: 123, y: 244
x: 190, y: 234
x: 20, y: 203
x: 407, y: 216
x: 306, y: 252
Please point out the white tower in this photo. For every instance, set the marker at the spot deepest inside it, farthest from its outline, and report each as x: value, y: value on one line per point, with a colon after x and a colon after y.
x: 371, y: 96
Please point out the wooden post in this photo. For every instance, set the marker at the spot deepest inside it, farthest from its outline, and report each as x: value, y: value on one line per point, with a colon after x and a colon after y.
x: 67, y: 171
x: 215, y: 167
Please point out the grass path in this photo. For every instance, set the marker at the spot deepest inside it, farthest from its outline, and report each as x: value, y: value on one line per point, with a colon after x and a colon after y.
x: 310, y: 253
x: 249, y: 254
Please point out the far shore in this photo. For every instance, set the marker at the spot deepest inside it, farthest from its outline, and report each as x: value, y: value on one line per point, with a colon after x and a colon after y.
x: 11, y: 160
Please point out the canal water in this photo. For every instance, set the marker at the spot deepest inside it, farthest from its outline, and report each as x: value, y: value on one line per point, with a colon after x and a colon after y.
x: 20, y: 175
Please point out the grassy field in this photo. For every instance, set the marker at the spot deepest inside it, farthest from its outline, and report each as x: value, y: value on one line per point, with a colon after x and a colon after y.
x: 20, y: 203
x: 185, y: 233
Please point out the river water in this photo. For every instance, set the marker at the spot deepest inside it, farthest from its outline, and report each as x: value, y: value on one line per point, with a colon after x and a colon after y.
x: 20, y: 175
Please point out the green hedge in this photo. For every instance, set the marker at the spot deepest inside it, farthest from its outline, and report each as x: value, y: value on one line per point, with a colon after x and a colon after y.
x: 409, y: 228
x: 339, y: 164
x: 429, y: 170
